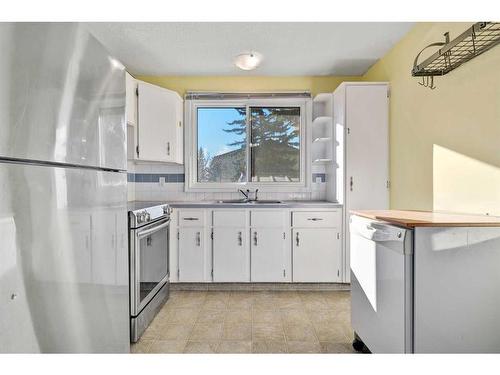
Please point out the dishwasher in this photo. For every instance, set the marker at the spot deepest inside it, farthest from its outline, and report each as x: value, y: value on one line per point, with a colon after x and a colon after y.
x: 424, y: 288
x: 381, y: 286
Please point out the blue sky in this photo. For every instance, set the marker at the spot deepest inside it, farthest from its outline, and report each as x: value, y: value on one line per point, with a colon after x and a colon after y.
x: 211, y: 137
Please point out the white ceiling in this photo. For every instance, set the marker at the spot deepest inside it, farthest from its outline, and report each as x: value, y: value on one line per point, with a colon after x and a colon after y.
x: 197, y: 48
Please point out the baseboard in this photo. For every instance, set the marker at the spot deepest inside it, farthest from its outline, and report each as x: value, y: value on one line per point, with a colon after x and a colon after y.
x: 260, y: 286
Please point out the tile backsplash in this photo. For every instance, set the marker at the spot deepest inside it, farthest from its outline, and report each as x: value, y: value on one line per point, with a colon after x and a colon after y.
x: 166, y: 182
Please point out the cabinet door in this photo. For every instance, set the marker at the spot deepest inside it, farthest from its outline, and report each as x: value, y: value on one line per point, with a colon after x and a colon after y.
x: 191, y: 254
x: 131, y: 99
x: 367, y: 153
x: 268, y: 255
x: 179, y: 124
x: 316, y: 255
x: 156, y: 128
x: 231, y: 255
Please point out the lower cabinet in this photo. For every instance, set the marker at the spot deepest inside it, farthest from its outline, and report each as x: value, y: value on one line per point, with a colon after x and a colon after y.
x: 316, y: 255
x: 260, y: 245
x: 269, y: 255
x: 192, y: 259
x: 231, y: 255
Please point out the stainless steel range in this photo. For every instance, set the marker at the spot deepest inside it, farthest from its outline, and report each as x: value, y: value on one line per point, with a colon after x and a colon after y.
x: 149, y: 266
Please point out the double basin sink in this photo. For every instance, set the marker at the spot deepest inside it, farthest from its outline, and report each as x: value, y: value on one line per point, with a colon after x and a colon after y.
x: 245, y: 201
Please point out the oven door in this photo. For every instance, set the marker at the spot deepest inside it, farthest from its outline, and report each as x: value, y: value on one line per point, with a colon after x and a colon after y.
x: 149, y: 269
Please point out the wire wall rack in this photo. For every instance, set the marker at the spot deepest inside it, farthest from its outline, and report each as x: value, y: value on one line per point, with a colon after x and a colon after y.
x: 477, y: 39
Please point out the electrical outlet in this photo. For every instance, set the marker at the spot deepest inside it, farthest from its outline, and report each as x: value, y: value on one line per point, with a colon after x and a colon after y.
x: 162, y: 181
x: 318, y: 180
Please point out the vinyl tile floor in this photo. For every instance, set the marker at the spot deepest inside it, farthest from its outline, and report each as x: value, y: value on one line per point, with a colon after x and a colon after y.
x: 251, y: 322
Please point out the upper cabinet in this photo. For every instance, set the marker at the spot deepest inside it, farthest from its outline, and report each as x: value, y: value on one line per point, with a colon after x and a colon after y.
x: 131, y: 102
x: 155, y: 123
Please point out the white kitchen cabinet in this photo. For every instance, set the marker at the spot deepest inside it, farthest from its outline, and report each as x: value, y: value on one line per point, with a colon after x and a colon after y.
x: 160, y: 124
x: 231, y: 255
x: 192, y: 254
x: 316, y: 255
x: 269, y: 255
x: 270, y: 252
x: 131, y: 100
x: 361, y: 120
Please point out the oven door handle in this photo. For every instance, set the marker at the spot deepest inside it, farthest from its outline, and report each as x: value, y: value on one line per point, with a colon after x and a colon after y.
x: 155, y: 228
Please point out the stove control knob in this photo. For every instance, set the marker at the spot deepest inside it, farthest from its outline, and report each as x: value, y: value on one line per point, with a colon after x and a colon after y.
x: 166, y: 210
x: 147, y: 216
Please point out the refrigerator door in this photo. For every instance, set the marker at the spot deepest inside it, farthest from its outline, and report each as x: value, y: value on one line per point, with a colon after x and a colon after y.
x: 63, y: 274
x: 62, y: 97
x: 381, y: 295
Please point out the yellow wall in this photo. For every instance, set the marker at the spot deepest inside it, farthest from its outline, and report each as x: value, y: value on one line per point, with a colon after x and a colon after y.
x: 181, y: 84
x: 445, y: 143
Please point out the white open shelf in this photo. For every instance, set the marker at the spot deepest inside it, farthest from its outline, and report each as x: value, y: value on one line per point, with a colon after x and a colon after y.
x: 322, y: 129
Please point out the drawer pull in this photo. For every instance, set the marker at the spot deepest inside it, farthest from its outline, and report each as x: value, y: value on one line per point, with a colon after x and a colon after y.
x: 190, y: 218
x: 315, y: 218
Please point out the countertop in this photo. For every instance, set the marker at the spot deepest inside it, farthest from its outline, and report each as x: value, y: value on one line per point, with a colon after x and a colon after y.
x: 413, y: 219
x: 284, y: 204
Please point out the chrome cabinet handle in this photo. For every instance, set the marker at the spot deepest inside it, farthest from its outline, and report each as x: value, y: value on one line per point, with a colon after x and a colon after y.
x: 168, y: 148
x: 240, y: 239
x: 297, y: 240
x: 255, y: 238
x: 190, y: 218
x: 198, y: 239
x: 315, y: 218
x: 351, y: 183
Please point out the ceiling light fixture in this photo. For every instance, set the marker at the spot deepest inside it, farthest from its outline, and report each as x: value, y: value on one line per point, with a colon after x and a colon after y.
x: 248, y: 61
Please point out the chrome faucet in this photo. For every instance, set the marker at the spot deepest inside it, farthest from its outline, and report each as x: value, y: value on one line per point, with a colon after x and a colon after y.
x: 246, y: 194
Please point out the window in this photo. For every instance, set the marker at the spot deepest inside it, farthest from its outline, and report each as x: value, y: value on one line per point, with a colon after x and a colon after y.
x: 222, y: 142
x: 256, y: 143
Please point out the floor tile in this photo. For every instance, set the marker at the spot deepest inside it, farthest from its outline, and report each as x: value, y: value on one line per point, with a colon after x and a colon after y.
x: 336, y: 347
x: 240, y: 331
x: 332, y: 332
x: 238, y: 316
x: 167, y: 346
x: 201, y: 347
x: 175, y: 331
x: 141, y: 347
x: 262, y: 346
x: 266, y: 316
x: 206, y: 331
x: 183, y: 316
x: 211, y: 316
x: 235, y: 347
x: 291, y: 316
x: 300, y: 332
x: 267, y: 331
x: 299, y: 347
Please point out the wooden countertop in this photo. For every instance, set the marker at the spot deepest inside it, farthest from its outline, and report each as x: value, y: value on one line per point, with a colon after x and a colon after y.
x: 413, y: 219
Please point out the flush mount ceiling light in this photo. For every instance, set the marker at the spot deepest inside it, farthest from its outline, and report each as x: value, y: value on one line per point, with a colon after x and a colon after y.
x: 248, y: 61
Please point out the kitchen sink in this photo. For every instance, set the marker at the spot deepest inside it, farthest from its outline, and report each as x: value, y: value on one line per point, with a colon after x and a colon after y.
x: 243, y: 201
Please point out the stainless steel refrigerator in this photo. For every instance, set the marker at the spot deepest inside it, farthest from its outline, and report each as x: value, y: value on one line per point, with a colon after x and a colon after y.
x: 63, y: 219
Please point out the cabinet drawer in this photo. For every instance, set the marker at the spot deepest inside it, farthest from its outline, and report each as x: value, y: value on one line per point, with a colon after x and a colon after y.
x: 191, y: 218
x: 229, y: 218
x: 317, y: 219
x: 266, y: 219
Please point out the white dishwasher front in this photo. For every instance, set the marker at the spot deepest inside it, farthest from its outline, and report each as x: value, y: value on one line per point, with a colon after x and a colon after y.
x: 381, y: 286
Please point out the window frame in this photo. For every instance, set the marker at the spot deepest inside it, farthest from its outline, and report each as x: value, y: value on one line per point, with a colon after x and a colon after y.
x: 191, y: 183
